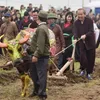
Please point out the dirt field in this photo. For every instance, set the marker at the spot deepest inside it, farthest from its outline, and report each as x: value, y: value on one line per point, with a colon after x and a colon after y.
x: 75, y: 88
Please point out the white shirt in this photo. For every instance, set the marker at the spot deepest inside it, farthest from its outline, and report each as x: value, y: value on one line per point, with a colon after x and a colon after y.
x: 96, y: 31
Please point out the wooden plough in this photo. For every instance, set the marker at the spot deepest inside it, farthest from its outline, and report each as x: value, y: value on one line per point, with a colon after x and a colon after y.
x: 59, y: 75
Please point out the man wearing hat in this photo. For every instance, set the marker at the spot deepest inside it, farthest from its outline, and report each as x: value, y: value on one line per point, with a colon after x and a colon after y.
x: 60, y: 43
x: 40, y: 55
x: 8, y: 28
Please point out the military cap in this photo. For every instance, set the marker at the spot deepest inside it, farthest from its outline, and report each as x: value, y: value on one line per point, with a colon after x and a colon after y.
x: 43, y: 14
x: 52, y: 16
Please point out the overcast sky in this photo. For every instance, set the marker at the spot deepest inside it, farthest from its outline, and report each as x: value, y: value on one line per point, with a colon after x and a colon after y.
x: 74, y: 4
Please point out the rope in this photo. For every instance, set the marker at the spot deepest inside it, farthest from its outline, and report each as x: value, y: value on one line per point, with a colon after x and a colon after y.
x: 1, y: 36
x: 53, y: 63
x: 67, y: 47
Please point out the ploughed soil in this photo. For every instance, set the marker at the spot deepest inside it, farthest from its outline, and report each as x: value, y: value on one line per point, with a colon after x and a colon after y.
x: 73, y: 88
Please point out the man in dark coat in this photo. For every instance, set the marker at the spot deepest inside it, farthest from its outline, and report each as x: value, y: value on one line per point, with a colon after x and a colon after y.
x: 83, y: 28
x: 34, y: 23
x: 8, y: 28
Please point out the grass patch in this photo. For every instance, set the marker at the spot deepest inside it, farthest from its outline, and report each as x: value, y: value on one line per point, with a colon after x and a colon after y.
x: 76, y: 66
x: 97, y: 60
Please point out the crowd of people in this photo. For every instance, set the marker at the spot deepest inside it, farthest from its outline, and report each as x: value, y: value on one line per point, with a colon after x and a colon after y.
x: 68, y: 26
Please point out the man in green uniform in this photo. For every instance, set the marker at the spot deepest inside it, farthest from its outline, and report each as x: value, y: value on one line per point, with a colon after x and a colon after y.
x: 40, y: 55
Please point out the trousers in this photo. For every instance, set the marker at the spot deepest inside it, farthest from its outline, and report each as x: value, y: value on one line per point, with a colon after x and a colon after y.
x: 38, y: 73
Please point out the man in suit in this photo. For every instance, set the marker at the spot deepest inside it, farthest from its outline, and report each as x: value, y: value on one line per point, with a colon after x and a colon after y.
x: 83, y: 28
x: 34, y: 23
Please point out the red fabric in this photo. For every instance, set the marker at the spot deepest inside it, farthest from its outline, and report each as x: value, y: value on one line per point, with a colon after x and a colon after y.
x: 25, y: 20
x: 66, y: 25
x: 53, y: 50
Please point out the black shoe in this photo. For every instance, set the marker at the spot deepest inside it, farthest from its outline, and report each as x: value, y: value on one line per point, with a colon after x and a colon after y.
x: 33, y: 94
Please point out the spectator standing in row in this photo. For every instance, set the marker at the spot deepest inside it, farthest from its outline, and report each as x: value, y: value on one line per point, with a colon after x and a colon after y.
x: 67, y: 32
x: 60, y: 43
x: 8, y: 28
x: 25, y: 21
x: 34, y: 23
x: 22, y: 10
x: 30, y: 7
x: 18, y: 20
